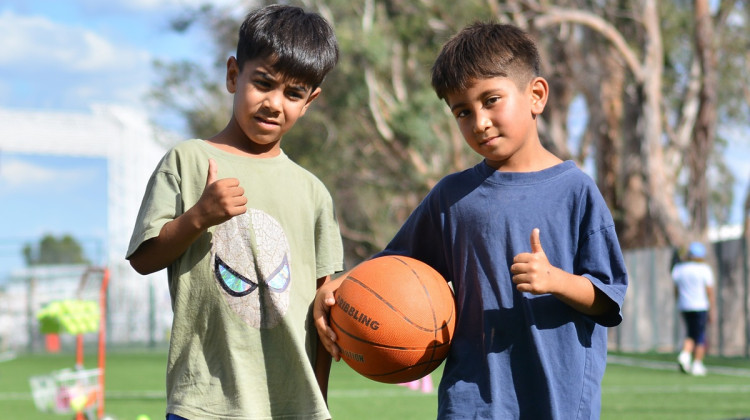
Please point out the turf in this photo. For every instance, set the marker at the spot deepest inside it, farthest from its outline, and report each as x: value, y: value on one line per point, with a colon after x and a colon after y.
x: 635, y: 387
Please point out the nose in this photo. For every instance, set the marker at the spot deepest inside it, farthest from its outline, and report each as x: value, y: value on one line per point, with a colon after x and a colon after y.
x: 481, y: 122
x: 273, y: 100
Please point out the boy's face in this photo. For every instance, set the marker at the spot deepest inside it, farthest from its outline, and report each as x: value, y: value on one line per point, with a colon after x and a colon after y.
x: 266, y: 104
x: 497, y: 119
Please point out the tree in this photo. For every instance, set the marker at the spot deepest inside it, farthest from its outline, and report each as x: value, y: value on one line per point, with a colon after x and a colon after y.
x: 52, y: 250
x: 652, y: 105
x: 652, y: 99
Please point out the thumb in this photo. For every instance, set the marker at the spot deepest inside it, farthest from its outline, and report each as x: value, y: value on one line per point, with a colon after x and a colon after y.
x: 536, y: 244
x: 211, y: 178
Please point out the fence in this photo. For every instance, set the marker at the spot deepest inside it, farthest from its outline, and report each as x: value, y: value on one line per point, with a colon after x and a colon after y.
x: 139, y: 312
x: 651, y: 320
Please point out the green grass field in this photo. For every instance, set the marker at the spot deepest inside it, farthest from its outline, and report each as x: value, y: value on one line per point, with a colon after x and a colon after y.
x: 635, y: 387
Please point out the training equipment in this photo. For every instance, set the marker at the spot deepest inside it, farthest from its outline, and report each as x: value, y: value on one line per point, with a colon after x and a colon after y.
x: 72, y: 316
x: 394, y: 318
x: 79, y: 391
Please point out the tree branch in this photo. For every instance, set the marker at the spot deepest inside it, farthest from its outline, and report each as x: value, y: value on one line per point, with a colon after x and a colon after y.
x: 557, y: 15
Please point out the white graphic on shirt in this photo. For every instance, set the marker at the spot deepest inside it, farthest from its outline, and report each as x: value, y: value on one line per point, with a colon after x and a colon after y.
x: 250, y: 260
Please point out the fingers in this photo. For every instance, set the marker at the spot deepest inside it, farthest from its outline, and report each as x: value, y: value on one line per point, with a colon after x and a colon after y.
x: 531, y: 270
x: 229, y: 193
x: 324, y: 300
x: 536, y: 244
x: 212, y: 168
x: 221, y: 199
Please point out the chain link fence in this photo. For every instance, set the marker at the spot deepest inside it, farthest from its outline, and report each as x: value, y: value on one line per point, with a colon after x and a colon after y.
x: 139, y: 312
x: 651, y: 319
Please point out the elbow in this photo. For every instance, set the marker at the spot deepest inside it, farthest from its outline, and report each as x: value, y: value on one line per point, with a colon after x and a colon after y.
x: 141, y: 268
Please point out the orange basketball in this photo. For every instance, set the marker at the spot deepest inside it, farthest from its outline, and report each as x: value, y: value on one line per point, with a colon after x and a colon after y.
x: 394, y: 318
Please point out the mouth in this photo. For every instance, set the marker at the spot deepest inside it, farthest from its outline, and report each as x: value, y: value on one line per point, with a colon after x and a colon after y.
x: 487, y: 140
x: 266, y: 122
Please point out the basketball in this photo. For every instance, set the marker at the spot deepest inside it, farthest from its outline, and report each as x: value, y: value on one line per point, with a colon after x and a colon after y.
x: 394, y: 317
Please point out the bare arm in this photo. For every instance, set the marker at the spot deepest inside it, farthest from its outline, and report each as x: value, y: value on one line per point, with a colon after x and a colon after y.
x: 322, y: 357
x: 711, y: 303
x: 533, y: 273
x: 221, y: 200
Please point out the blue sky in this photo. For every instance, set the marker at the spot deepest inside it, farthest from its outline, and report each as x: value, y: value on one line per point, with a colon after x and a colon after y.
x: 70, y: 55
x: 74, y: 54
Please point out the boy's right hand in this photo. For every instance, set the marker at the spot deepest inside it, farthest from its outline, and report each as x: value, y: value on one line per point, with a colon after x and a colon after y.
x: 221, y: 200
x: 324, y: 300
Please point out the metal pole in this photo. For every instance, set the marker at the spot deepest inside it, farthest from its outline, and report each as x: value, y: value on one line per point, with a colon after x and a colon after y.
x: 652, y: 310
x: 152, y: 314
x: 746, y: 295
x: 719, y: 297
x: 102, y: 340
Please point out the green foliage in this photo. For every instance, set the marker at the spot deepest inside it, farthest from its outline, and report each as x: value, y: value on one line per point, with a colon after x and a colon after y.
x: 379, y: 137
x: 53, y: 250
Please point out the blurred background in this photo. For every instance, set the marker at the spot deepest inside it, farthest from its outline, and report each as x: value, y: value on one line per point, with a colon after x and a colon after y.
x: 650, y: 98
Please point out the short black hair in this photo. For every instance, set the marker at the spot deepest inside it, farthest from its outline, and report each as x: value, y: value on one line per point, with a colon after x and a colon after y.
x: 483, y: 50
x: 299, y: 44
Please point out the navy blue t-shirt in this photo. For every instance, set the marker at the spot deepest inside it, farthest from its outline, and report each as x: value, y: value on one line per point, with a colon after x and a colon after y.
x: 517, y: 355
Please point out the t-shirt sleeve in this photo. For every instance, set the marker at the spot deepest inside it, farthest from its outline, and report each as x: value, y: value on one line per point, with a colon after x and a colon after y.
x: 161, y: 203
x: 329, y: 249
x: 709, y: 276
x: 601, y: 261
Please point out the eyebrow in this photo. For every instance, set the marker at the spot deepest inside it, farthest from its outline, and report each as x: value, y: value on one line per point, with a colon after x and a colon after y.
x: 458, y: 105
x: 266, y: 75
x: 481, y: 95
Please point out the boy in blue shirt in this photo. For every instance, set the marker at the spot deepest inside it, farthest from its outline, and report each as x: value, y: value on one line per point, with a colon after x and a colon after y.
x: 247, y: 236
x: 526, y: 240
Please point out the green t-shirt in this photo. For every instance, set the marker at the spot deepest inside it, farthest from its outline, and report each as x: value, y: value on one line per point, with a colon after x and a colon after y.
x: 243, y: 343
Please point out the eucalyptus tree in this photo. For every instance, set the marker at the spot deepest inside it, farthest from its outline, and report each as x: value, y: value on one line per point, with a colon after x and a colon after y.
x: 646, y: 83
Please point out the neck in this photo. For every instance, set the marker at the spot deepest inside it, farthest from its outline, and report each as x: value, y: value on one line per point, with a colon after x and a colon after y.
x: 233, y: 140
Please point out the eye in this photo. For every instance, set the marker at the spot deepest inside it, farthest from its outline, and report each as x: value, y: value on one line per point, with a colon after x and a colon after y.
x: 231, y: 281
x: 262, y: 84
x: 460, y: 113
x: 294, y: 95
x: 491, y: 100
x: 279, y: 279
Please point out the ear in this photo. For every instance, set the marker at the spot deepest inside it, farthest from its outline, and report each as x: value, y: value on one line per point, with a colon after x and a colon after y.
x: 233, y: 73
x: 311, y: 98
x: 539, y: 95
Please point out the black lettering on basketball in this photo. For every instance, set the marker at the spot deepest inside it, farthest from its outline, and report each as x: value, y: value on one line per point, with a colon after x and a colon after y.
x: 356, y: 314
x: 354, y: 356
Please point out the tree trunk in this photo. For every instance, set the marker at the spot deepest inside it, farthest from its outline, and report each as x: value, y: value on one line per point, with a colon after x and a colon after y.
x: 705, y: 125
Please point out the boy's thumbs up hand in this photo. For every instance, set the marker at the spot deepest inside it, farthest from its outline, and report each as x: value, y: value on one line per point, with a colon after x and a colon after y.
x: 212, y: 169
x: 536, y: 243
x: 221, y: 200
x: 532, y: 272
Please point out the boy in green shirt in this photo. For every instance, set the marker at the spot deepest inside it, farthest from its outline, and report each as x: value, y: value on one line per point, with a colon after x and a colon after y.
x: 247, y: 236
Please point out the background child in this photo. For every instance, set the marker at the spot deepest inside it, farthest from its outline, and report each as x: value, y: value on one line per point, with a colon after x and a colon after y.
x: 693, y: 282
x: 526, y: 240
x: 245, y: 234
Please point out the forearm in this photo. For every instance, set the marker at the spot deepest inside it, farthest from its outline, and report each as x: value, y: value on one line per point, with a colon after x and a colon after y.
x: 174, y: 238
x: 579, y: 293
x: 322, y: 368
x: 323, y: 359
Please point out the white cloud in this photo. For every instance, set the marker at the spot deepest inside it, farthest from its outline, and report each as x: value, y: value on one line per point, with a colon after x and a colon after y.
x: 157, y: 4
x: 36, y: 43
x: 17, y: 173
